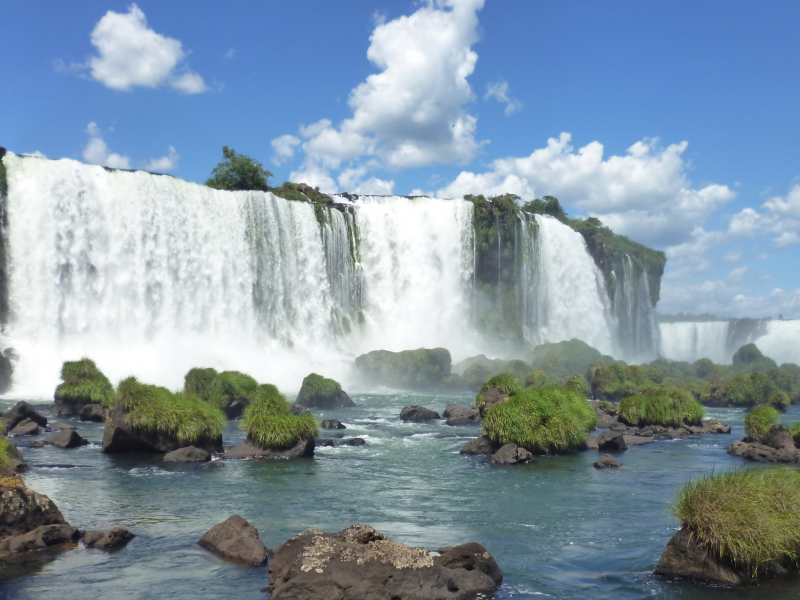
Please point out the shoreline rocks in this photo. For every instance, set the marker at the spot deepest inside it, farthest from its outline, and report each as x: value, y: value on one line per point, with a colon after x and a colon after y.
x: 480, y: 445
x: 236, y: 540
x: 777, y: 445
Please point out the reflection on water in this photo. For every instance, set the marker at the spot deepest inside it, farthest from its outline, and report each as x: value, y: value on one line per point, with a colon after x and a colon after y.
x: 557, y: 527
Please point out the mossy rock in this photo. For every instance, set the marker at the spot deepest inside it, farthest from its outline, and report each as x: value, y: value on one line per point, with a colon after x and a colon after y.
x: 270, y: 424
x: 617, y: 381
x: 230, y: 391
x: 320, y: 392
x: 760, y: 420
x: 562, y: 359
x: 540, y: 379
x: 149, y: 418
x: 546, y: 420
x: 82, y: 384
x: 663, y: 406
x: 421, y: 369
x: 578, y: 383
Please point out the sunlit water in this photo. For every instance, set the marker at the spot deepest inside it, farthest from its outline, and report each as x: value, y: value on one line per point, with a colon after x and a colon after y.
x: 558, y: 527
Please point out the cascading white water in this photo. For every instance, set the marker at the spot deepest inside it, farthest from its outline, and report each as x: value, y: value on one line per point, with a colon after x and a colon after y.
x: 417, y: 261
x: 781, y: 341
x: 571, y: 295
x: 688, y: 342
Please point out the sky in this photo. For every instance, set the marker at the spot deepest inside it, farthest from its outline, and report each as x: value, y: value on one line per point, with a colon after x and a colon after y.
x: 674, y: 122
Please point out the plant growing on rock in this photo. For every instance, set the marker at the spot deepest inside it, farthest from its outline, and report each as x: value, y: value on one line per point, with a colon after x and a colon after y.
x: 540, y: 379
x: 183, y: 416
x: 238, y: 172
x: 664, y: 406
x: 541, y: 420
x: 577, y: 383
x: 318, y: 386
x: 743, y: 390
x: 616, y: 381
x: 750, y: 356
x: 270, y: 424
x: 562, y: 359
x: 222, y: 390
x: 505, y: 382
x: 746, y: 518
x: 5, y: 451
x: 84, y: 383
x: 759, y: 421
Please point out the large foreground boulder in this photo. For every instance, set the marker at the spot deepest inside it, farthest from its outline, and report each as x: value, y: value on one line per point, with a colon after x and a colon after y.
x: 358, y: 563
x: 418, y: 414
x: 685, y: 557
x: 320, y: 392
x: 423, y: 368
x: 236, y: 540
x: 21, y: 509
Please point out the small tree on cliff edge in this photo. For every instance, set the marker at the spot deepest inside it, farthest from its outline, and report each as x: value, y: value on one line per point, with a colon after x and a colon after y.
x: 238, y: 172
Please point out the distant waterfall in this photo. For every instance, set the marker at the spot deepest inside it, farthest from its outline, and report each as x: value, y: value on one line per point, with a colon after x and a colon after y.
x: 719, y: 340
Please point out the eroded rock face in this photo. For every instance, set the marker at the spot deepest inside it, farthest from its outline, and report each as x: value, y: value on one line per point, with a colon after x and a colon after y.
x: 119, y: 438
x: 236, y: 540
x: 492, y: 397
x: 685, y: 557
x: 21, y: 411
x: 117, y: 536
x: 359, y: 563
x: 418, y: 414
x: 23, y: 510
x: 188, y: 454
x: 303, y: 449
x: 458, y: 415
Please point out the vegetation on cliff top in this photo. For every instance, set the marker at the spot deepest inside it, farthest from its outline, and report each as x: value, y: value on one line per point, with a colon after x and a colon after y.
x: 84, y: 383
x: 541, y: 420
x: 184, y: 416
x: 664, y: 406
x: 270, y: 424
x: 748, y: 518
x: 238, y: 172
x: 566, y: 358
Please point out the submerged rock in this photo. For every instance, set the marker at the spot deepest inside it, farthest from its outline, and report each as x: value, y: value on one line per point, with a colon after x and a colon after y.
x: 359, y: 563
x: 511, y: 454
x: 188, y: 454
x: 353, y: 442
x: 236, y: 540
x: 607, y: 462
x: 117, y: 536
x: 303, y: 449
x: 685, y: 557
x: 480, y: 445
x: 418, y: 414
x: 66, y: 438
x: 41, y: 537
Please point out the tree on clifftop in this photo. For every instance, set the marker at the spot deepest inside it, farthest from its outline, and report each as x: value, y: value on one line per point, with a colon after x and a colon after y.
x: 238, y: 172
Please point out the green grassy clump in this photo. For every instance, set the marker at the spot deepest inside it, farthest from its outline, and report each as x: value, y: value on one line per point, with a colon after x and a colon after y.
x: 5, y: 451
x: 578, y: 383
x: 608, y: 407
x: 542, y: 420
x: 219, y: 389
x: 752, y: 357
x: 540, y: 379
x: 617, y: 381
x: 182, y: 415
x: 664, y: 406
x: 747, y: 518
x: 84, y: 383
x: 317, y: 386
x: 269, y: 423
x: 760, y: 420
x: 505, y: 382
x: 780, y: 400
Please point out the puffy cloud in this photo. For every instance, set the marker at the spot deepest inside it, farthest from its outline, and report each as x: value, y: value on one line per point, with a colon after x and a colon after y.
x: 96, y: 151
x: 165, y: 163
x: 733, y: 257
x: 131, y: 54
x: 499, y: 91
x: 283, y: 148
x: 780, y: 217
x: 315, y: 176
x: 645, y: 193
x: 411, y: 113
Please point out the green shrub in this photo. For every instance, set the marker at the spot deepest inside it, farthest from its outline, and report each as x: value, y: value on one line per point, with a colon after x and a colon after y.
x: 542, y: 420
x: 504, y: 382
x: 743, y: 390
x: 238, y: 172
x: 748, y: 518
x: 540, y: 379
x: 219, y: 389
x: 751, y: 356
x: 5, y: 452
x: 613, y: 382
x: 794, y: 431
x: 703, y: 367
x: 759, y: 420
x: 316, y: 386
x: 423, y: 368
x: 664, y: 406
x: 269, y: 423
x: 607, y: 407
x: 577, y: 383
x: 83, y: 383
x: 183, y: 416
x: 780, y: 400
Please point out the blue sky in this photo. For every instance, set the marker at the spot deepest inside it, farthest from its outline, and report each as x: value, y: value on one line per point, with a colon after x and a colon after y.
x: 674, y: 122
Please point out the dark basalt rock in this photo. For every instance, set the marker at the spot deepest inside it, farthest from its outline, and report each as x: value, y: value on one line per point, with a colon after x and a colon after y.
x: 637, y: 440
x: 776, y: 445
x: 590, y: 443
x: 26, y: 427
x: 297, y: 409
x: 685, y: 557
x: 188, y: 454
x: 492, y: 397
x: 611, y: 440
x: 353, y: 442
x: 118, y: 536
x: 480, y: 445
x: 21, y: 411
x: 17, y: 464
x: 93, y: 412
x: 41, y: 537
x: 459, y: 416
x: 511, y: 454
x: 66, y: 438
x: 23, y: 510
x: 325, y: 443
x: 36, y: 444
x: 332, y: 424
x: 236, y: 540
x: 358, y: 563
x: 119, y: 438
x: 418, y: 414
x: 709, y: 426
x: 303, y: 449
x: 607, y: 462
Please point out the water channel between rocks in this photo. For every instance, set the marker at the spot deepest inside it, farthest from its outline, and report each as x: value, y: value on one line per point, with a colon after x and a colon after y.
x: 558, y: 528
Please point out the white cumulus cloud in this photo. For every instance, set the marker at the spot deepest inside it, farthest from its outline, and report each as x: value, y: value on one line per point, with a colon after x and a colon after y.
x: 780, y: 217
x: 283, y: 148
x: 499, y: 91
x: 165, y: 163
x: 96, y: 151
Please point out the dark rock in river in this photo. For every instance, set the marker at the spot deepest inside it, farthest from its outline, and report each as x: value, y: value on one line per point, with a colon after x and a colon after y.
x: 66, y: 438
x: 418, y: 414
x: 118, y: 536
x: 590, y: 443
x: 325, y: 443
x: 480, y: 445
x: 332, y: 424
x: 358, y: 563
x: 458, y: 415
x: 23, y: 510
x: 93, y: 412
x: 492, y: 397
x: 188, y: 454
x: 119, y: 438
x: 776, y: 445
x: 353, y: 442
x: 21, y: 411
x: 607, y: 462
x: 685, y: 557
x: 324, y: 393
x: 236, y: 540
x: 611, y: 440
x: 303, y: 448
x: 511, y: 454
x: 60, y: 426
x: 41, y: 537
x: 26, y: 427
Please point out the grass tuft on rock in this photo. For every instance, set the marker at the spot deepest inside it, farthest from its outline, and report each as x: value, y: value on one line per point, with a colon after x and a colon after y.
x: 182, y: 415
x: 505, y: 382
x: 578, y: 383
x: 760, y: 420
x: 5, y: 451
x: 220, y: 389
x: 542, y: 420
x: 84, y: 383
x: 748, y: 518
x: 664, y: 406
x: 269, y: 423
x: 316, y: 386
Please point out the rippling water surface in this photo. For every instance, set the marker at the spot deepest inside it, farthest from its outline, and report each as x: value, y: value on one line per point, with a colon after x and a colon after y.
x: 558, y: 528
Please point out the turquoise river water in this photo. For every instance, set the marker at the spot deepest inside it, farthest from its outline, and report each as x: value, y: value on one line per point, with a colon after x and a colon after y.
x: 558, y: 528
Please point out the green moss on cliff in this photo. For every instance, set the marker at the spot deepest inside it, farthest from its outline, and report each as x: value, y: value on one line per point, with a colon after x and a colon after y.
x: 84, y: 383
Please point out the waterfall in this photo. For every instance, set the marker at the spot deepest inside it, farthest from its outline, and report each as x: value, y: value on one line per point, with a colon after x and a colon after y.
x: 780, y: 341
x: 636, y: 325
x: 719, y: 340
